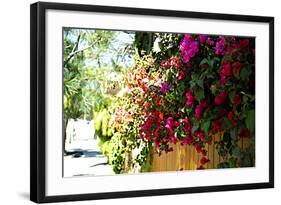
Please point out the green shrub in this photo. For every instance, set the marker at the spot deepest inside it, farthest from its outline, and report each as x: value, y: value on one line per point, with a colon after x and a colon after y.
x: 102, y: 124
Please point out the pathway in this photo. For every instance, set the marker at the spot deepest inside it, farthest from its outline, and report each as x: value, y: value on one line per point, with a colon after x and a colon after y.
x: 85, y: 159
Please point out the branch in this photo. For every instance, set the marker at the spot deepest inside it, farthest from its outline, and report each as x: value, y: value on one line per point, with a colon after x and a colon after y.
x: 75, y: 52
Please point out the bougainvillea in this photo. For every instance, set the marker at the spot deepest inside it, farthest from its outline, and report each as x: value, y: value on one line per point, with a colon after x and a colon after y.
x: 202, y: 86
x: 205, y: 88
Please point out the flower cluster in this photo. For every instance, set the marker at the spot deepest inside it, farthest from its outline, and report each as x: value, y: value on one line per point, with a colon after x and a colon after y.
x: 203, y: 88
x: 189, y: 48
x: 220, y: 46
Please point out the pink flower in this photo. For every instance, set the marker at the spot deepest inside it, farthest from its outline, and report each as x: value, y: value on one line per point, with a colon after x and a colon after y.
x: 219, y: 49
x: 165, y: 88
x: 189, y: 98
x: 173, y: 139
x: 187, y: 125
x: 157, y: 141
x: 187, y: 140
x: 171, y: 124
x: 172, y: 62
x: 200, y: 109
x: 188, y: 48
x: 216, y: 127
x: 225, y: 73
x: 181, y: 75
x: 147, y: 137
x: 202, y: 38
x: 198, y: 112
x: 210, y: 41
x: 200, y: 134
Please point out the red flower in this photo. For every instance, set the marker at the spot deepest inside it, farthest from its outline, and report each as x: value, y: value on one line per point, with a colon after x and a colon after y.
x: 237, y: 99
x: 236, y: 68
x: 173, y: 139
x: 231, y: 116
x: 189, y: 98
x: 198, y: 148
x: 204, y: 160
x: 201, y: 167
x: 200, y: 109
x: 245, y: 133
x: 243, y: 43
x: 204, y: 153
x: 157, y: 141
x: 225, y: 73
x: 187, y: 140
x: 216, y: 126
x: 170, y: 149
x: 181, y: 75
x: 172, y: 62
x: 187, y: 125
x: 200, y: 134
x: 147, y: 137
x: 220, y: 98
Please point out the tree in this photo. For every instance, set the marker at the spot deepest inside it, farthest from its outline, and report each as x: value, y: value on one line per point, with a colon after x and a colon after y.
x: 90, y: 58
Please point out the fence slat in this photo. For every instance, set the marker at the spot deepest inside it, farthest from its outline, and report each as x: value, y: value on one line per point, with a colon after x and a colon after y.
x: 185, y: 157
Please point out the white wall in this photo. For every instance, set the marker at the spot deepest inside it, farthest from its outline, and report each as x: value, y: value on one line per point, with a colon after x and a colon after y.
x: 14, y: 100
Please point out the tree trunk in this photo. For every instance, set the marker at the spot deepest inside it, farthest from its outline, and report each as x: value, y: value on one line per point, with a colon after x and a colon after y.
x: 64, y: 134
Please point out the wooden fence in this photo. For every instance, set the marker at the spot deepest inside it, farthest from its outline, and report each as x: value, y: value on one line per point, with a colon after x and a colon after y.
x: 185, y: 157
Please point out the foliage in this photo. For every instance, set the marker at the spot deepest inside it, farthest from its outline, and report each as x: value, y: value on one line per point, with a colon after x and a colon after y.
x: 81, y: 88
x: 200, y: 86
x: 114, y: 149
x: 183, y: 88
x: 102, y: 125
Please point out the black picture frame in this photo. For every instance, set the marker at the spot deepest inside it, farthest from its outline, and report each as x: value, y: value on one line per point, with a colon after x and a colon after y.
x: 38, y: 101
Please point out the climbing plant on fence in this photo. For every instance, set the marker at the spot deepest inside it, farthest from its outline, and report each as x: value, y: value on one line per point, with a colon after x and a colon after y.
x: 188, y: 89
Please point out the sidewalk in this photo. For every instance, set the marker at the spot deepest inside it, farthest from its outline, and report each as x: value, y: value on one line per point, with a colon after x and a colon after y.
x: 86, y: 159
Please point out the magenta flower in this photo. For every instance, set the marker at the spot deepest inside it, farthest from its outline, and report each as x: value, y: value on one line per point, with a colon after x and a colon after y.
x: 225, y: 73
x: 189, y: 98
x: 173, y: 139
x: 200, y: 109
x: 210, y: 41
x: 165, y: 88
x: 220, y: 45
x: 200, y: 134
x: 181, y: 75
x: 188, y: 48
x: 171, y: 124
x: 220, y: 98
x: 202, y: 38
x: 187, y: 140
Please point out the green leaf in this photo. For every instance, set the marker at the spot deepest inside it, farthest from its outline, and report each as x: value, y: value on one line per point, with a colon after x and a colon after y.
x: 226, y: 123
x: 206, y: 127
x: 244, y: 73
x: 233, y: 134
x: 231, y: 96
x: 204, y: 61
x: 223, y: 165
x: 232, y: 162
x: 200, y: 83
x: 236, y: 151
x: 250, y: 121
x: 199, y: 94
x: 194, y: 128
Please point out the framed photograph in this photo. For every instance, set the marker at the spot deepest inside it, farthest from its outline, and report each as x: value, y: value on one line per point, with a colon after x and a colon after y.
x: 129, y: 102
